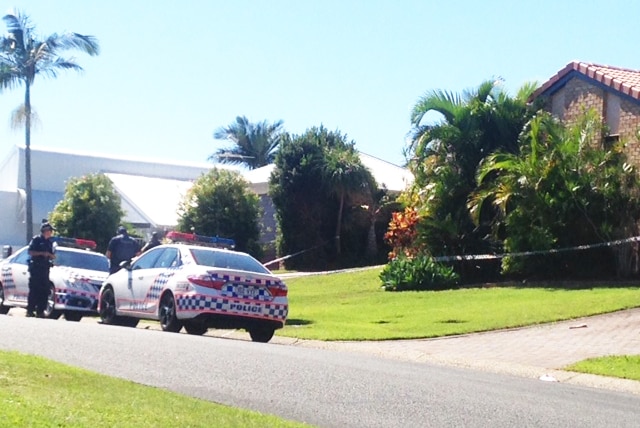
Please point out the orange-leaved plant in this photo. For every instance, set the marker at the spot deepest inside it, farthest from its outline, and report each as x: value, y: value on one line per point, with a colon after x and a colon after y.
x: 402, y: 232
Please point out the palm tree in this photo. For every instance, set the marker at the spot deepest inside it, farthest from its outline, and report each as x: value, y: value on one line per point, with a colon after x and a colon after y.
x: 23, y: 56
x: 445, y: 156
x: 345, y: 175
x: 255, y: 144
x: 564, y: 189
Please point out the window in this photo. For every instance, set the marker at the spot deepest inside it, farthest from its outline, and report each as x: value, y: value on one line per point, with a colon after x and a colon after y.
x: 81, y: 260
x: 227, y: 260
x: 169, y: 258
x: 21, y: 258
x: 148, y: 259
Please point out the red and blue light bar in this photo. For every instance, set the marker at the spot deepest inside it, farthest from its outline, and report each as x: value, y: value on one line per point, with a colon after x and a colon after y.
x: 200, y: 239
x: 74, y: 242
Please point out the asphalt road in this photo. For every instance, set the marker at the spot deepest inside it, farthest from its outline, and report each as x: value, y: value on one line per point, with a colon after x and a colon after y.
x: 326, y: 388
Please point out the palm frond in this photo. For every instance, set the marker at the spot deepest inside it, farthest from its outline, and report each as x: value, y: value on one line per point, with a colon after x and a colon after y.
x: 19, y: 118
x: 443, y: 102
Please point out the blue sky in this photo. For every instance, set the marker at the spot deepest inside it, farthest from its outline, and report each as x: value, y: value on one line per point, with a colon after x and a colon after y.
x: 170, y: 73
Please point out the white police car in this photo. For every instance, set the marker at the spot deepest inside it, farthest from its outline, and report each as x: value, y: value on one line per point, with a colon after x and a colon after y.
x: 75, y: 279
x: 187, y: 283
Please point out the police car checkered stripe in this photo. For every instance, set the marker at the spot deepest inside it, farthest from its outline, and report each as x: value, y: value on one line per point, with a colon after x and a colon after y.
x: 224, y: 306
x: 7, y: 279
x: 158, y: 284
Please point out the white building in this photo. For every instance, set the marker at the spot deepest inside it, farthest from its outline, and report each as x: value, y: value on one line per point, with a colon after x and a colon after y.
x: 150, y: 190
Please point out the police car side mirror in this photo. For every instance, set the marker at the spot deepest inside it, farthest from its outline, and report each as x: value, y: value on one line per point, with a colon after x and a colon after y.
x: 126, y: 264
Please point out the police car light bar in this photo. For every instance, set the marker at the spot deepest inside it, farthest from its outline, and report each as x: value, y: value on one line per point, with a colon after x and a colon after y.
x: 74, y: 242
x: 200, y: 239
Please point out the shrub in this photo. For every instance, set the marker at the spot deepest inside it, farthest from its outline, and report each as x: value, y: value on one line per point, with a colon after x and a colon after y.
x: 417, y: 273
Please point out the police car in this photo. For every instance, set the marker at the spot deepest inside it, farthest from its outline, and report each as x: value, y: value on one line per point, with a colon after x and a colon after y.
x: 75, y: 279
x: 191, y: 282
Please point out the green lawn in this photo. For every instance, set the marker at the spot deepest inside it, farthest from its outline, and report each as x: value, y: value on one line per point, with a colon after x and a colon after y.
x: 352, y: 306
x: 622, y: 366
x: 36, y: 392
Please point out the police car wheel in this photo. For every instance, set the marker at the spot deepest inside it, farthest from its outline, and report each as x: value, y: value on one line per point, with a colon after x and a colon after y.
x: 108, y: 307
x: 195, y: 328
x: 168, y: 319
x: 3, y: 309
x: 74, y: 316
x: 128, y: 321
x: 261, y: 334
x: 50, y: 311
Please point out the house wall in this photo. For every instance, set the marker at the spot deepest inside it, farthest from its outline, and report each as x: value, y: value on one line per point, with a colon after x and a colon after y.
x: 620, y: 113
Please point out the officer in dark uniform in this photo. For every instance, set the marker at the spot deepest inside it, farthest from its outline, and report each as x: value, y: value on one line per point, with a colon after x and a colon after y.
x: 41, y: 256
x: 154, y: 242
x: 121, y: 247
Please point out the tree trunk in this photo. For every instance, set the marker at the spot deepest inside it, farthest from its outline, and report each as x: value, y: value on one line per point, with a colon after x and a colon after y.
x: 339, y: 223
x: 372, y: 248
x: 27, y: 160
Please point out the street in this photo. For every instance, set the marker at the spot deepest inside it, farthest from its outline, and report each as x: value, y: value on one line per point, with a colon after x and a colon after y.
x: 326, y: 388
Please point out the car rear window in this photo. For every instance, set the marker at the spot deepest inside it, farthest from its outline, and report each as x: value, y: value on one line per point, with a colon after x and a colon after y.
x: 227, y: 260
x: 80, y: 260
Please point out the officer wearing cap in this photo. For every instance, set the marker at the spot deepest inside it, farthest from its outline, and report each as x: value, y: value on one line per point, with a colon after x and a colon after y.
x: 41, y: 256
x: 121, y: 247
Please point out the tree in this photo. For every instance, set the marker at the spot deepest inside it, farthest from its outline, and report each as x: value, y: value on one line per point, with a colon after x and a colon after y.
x: 565, y: 189
x: 23, y: 56
x: 315, y: 173
x: 90, y: 208
x: 220, y: 203
x: 255, y: 144
x: 345, y: 176
x: 444, y: 158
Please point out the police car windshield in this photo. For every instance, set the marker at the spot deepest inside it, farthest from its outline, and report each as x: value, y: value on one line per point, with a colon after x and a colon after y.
x: 227, y: 260
x: 81, y: 260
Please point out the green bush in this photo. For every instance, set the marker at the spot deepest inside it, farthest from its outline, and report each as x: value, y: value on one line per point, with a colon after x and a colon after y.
x: 417, y: 273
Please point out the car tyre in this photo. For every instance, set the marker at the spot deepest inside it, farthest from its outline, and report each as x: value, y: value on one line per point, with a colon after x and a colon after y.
x: 195, y: 328
x: 108, y: 307
x: 50, y: 311
x: 74, y: 316
x: 261, y: 334
x: 3, y: 309
x: 128, y: 322
x: 168, y: 319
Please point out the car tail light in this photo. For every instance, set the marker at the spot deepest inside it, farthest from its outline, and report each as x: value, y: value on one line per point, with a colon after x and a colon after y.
x: 278, y: 290
x: 206, y: 281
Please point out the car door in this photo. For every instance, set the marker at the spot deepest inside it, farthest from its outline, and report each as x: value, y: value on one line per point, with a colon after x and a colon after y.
x: 15, y: 275
x: 123, y: 282
x: 150, y: 276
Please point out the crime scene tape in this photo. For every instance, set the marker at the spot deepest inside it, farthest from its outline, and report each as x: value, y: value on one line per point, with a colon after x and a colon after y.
x: 491, y: 256
x: 288, y: 256
x: 538, y: 252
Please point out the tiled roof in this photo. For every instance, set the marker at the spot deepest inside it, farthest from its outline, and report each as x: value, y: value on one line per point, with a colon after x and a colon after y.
x: 619, y: 79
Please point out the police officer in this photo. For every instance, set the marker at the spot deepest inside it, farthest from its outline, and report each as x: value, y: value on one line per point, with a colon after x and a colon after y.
x: 154, y: 242
x: 41, y: 256
x: 121, y: 247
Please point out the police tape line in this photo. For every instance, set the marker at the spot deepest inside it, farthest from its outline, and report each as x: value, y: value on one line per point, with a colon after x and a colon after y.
x: 490, y: 256
x: 288, y: 256
x: 538, y: 252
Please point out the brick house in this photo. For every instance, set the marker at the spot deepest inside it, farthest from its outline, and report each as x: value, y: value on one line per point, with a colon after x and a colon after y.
x: 613, y: 92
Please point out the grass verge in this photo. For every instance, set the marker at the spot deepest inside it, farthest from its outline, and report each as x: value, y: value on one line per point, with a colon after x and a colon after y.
x: 37, y: 392
x: 623, y: 366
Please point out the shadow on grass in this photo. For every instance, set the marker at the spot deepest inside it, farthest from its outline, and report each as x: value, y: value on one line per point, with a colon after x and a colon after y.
x: 452, y: 321
x: 296, y: 321
x: 559, y: 285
